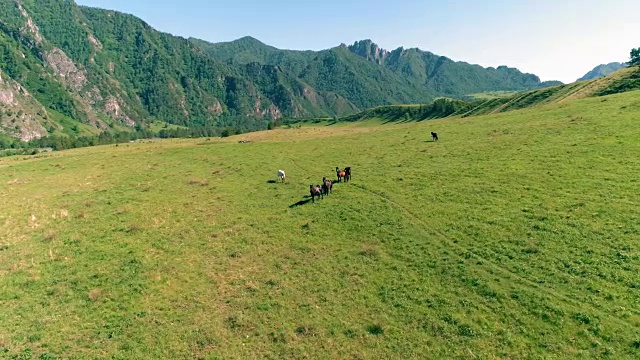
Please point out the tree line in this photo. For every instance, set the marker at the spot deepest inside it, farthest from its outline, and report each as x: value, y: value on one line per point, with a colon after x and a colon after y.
x: 9, y: 146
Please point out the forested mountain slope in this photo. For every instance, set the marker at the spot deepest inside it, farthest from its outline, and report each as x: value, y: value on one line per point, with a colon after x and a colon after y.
x: 69, y: 70
x: 356, y: 71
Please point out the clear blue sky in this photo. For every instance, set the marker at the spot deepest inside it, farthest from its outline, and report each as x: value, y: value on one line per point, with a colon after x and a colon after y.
x: 555, y: 39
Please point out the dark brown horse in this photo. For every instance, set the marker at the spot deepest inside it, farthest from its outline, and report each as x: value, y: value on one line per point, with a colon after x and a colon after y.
x: 347, y: 176
x: 340, y: 174
x: 315, y: 191
x: 327, y: 186
x: 434, y: 136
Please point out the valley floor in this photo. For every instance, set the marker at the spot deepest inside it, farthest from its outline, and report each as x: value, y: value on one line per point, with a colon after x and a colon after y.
x: 514, y: 236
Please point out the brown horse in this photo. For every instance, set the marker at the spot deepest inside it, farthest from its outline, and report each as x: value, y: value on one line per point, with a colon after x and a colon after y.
x: 327, y: 186
x: 315, y: 191
x: 340, y: 174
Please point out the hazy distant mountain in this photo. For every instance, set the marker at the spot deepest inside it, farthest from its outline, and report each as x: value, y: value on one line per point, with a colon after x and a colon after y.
x: 603, y: 70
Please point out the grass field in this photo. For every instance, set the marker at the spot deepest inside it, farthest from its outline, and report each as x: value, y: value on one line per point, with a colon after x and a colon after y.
x: 156, y: 126
x: 493, y: 94
x: 515, y: 236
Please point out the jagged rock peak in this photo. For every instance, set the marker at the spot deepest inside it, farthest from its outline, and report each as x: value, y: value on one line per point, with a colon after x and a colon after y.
x: 369, y: 50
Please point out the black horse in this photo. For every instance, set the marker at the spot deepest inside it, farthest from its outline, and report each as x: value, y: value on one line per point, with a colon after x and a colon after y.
x: 434, y: 136
x: 347, y: 175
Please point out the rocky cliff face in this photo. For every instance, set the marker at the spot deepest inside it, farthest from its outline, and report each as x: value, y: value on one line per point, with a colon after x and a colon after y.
x: 21, y: 115
x: 370, y: 51
x: 40, y: 69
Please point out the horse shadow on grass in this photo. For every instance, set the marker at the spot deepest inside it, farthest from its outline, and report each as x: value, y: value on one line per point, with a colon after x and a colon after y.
x: 272, y: 182
x: 307, y: 199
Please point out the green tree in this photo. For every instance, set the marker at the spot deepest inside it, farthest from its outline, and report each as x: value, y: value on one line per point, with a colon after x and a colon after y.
x: 635, y: 57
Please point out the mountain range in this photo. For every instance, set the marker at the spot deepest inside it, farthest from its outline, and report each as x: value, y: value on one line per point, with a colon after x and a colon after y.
x: 366, y: 75
x: 72, y: 70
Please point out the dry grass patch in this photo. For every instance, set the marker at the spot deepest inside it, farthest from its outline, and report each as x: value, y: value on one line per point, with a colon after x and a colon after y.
x: 369, y: 251
x: 49, y: 236
x: 198, y: 182
x: 133, y: 228
x: 96, y: 294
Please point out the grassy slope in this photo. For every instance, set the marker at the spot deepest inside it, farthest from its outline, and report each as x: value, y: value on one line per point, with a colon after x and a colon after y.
x: 492, y: 95
x: 560, y: 94
x: 492, y: 103
x: 515, y: 236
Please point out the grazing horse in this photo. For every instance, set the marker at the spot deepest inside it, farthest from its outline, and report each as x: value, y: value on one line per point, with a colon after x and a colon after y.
x: 347, y: 176
x: 434, y: 136
x: 281, y: 175
x: 327, y: 186
x: 315, y: 191
x: 340, y: 174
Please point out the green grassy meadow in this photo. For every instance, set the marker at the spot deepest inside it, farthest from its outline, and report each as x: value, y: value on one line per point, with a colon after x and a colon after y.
x: 516, y: 236
x: 493, y: 94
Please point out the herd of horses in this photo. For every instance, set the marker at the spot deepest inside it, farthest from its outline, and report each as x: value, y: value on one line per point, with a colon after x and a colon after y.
x: 327, y: 185
x: 319, y: 191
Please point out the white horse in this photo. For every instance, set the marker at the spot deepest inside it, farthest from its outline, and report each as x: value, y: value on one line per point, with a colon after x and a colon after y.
x: 281, y: 175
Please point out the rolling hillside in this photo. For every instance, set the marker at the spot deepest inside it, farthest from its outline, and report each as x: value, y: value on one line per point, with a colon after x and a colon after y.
x: 627, y: 79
